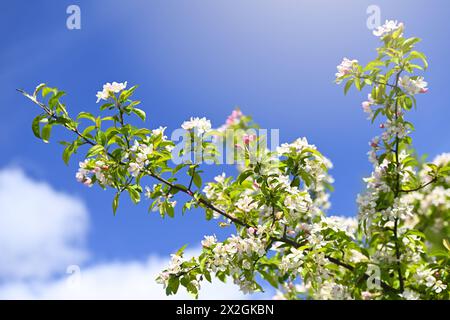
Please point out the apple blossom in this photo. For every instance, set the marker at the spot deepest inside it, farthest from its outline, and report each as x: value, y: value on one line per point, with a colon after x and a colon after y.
x: 388, y: 27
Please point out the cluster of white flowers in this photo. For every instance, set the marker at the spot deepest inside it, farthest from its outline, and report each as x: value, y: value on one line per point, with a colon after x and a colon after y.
x: 366, y: 105
x: 393, y: 128
x: 427, y: 277
x: 348, y: 225
x: 437, y: 197
x: 161, y: 199
x: 384, y: 254
x: 87, y: 169
x: 292, y: 262
x: 374, y: 184
x: 160, y: 131
x: 110, y: 88
x: 296, y: 147
x: 235, y: 255
x: 246, y: 204
x: 141, y: 151
x: 209, y: 241
x: 412, y: 86
x: 388, y: 27
x: 329, y: 290
x: 401, y: 209
x: 346, y: 67
x: 175, y: 268
x: 316, y: 167
x: 215, y: 193
x: 298, y: 203
x: 199, y: 125
x: 410, y: 295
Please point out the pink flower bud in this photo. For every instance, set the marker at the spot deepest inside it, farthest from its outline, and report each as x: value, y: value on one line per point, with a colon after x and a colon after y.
x: 249, y: 138
x: 251, y: 230
x: 424, y: 90
x: 382, y: 125
x: 374, y: 144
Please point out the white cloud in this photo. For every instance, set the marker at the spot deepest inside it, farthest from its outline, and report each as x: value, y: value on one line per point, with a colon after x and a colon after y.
x: 41, y: 230
x: 116, y: 280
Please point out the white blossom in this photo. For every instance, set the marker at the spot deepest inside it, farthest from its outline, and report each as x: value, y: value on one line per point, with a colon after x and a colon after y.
x: 388, y: 27
x: 246, y: 204
x: 200, y: 125
x: 410, y: 295
x: 412, y: 86
x: 346, y: 67
x: 110, y: 88
x: 209, y: 241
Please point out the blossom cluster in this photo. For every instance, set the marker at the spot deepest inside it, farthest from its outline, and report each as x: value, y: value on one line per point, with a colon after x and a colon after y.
x: 413, y: 86
x: 109, y: 89
x: 90, y: 168
x: 387, y: 28
x: 346, y: 67
x: 199, y: 125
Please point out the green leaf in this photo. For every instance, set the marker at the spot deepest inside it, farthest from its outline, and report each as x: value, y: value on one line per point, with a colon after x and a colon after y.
x: 46, y: 91
x: 140, y: 113
x: 36, y: 126
x: 181, y: 250
x: 169, y: 210
x: 46, y: 130
x: 126, y: 94
x: 358, y: 84
x: 68, y: 151
x: 108, y: 105
x: 94, y: 150
x: 135, y: 195
x: 269, y: 278
x: 197, y: 180
x: 377, y: 112
x: 419, y: 55
x: 172, y: 285
x: 244, y: 175
x: 86, y: 115
x: 115, y: 203
x: 348, y: 85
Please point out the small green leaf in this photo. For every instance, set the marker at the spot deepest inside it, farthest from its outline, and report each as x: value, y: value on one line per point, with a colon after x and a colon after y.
x: 115, y: 203
x: 172, y: 285
x: 197, y: 180
x: 68, y: 151
x: 134, y: 194
x: 181, y: 250
x: 86, y: 115
x: 140, y: 113
x: 36, y: 126
x: 94, y: 150
x: 419, y: 55
x: 46, y: 130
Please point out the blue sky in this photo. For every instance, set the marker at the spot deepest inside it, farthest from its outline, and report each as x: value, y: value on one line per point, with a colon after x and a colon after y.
x: 275, y: 59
